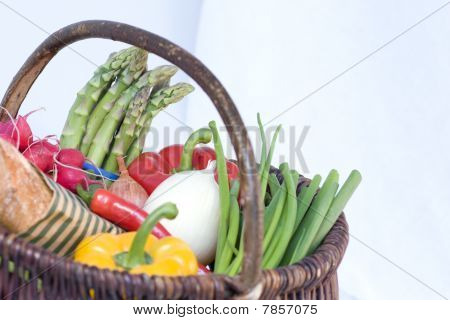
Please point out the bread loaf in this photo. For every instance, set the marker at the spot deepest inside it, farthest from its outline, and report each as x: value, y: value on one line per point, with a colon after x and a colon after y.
x: 24, y: 196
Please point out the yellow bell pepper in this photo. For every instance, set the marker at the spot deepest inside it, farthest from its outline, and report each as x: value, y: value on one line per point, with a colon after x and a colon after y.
x: 140, y: 252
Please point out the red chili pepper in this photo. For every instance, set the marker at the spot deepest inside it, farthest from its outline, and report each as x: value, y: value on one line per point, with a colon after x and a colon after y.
x: 147, y: 170
x: 126, y: 215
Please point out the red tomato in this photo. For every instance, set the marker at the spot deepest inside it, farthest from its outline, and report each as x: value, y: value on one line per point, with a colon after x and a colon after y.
x: 202, y: 156
x: 233, y: 172
x: 147, y: 171
x: 171, y: 156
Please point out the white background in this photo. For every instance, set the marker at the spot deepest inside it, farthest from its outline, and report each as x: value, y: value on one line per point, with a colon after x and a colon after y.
x: 388, y: 116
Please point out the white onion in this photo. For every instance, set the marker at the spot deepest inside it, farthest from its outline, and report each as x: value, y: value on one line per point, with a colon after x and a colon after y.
x: 196, y: 195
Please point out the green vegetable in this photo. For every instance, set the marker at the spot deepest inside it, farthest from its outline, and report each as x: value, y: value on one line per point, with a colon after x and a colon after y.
x: 233, y: 230
x: 160, y: 100
x: 307, y: 230
x: 101, y: 143
x: 203, y: 135
x: 274, y: 184
x: 305, y: 198
x: 224, y: 192
x: 265, y: 173
x: 264, y: 145
x: 153, y: 106
x: 338, y: 204
x: 234, y: 268
x: 272, y: 215
x: 88, y: 96
x: 285, y: 229
x: 125, y: 79
x: 124, y: 138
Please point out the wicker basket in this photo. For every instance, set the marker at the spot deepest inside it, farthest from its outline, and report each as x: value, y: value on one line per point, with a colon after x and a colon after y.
x: 39, y: 274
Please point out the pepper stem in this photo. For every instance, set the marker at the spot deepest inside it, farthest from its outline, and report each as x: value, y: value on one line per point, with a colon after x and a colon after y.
x: 136, y: 255
x: 87, y: 195
x: 203, y: 135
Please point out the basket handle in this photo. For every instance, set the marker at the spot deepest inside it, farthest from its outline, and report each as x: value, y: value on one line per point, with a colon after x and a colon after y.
x: 252, y: 204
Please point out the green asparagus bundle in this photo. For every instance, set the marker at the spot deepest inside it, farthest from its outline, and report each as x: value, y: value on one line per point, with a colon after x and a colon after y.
x: 90, y: 94
x: 159, y: 101
x: 124, y: 137
x: 100, y: 144
x: 125, y: 79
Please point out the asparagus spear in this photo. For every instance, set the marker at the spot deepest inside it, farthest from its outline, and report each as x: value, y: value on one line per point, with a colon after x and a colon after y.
x: 161, y: 99
x: 148, y: 114
x: 126, y: 78
x: 88, y: 96
x: 100, y: 144
x: 124, y: 137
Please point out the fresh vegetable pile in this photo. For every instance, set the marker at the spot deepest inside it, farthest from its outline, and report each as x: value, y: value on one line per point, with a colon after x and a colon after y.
x: 179, y: 208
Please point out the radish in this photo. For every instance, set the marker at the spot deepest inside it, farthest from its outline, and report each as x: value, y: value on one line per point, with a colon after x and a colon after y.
x: 68, y: 165
x: 18, y: 130
x: 8, y: 138
x: 71, y: 157
x: 41, y: 154
x: 70, y: 177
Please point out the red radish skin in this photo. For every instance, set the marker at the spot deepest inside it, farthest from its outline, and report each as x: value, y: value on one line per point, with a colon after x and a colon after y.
x: 70, y: 177
x: 8, y: 138
x: 40, y: 157
x: 41, y: 153
x: 19, y: 130
x: 71, y: 157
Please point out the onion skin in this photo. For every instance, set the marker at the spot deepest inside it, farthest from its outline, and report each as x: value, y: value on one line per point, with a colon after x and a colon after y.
x: 127, y: 188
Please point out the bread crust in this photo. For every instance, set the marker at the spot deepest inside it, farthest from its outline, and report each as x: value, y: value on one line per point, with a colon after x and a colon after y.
x: 24, y: 196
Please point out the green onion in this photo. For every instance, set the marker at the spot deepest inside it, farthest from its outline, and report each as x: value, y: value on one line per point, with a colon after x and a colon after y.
x: 264, y: 145
x: 309, y: 226
x: 272, y: 215
x: 235, y: 266
x: 233, y: 230
x: 286, y: 226
x: 265, y: 174
x: 305, y: 198
x: 338, y: 204
x: 274, y: 184
x: 224, y: 191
